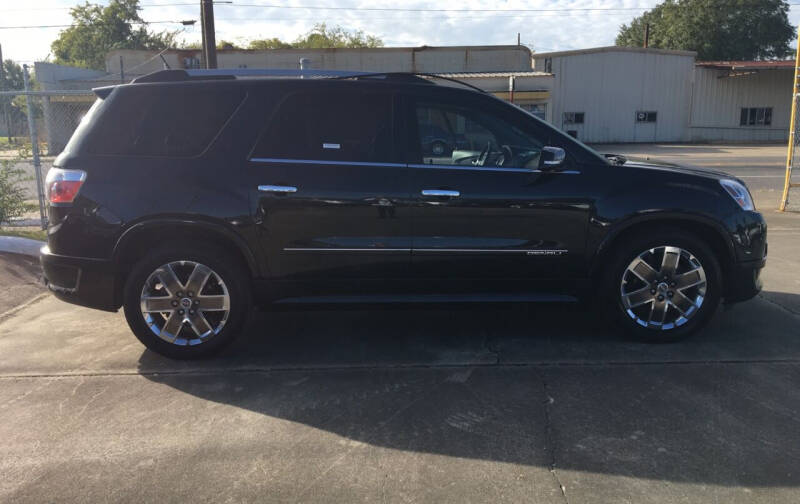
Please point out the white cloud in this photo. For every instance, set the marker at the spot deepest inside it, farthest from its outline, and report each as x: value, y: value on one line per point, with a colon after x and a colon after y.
x: 544, y: 31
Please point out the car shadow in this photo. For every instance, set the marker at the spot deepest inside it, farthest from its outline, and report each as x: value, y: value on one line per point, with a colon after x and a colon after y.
x: 525, y: 384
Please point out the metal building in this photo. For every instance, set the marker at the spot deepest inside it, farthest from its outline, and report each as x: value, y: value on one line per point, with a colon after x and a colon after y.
x: 620, y: 94
x: 425, y: 59
x: 744, y: 101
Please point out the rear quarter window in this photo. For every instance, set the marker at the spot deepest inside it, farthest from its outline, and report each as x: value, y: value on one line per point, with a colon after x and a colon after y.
x: 164, y: 121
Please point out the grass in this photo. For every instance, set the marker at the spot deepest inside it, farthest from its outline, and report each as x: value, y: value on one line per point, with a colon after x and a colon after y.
x: 34, y: 234
x: 16, y: 142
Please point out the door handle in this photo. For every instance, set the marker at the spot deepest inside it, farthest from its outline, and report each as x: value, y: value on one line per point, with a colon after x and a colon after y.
x: 277, y: 188
x: 441, y: 192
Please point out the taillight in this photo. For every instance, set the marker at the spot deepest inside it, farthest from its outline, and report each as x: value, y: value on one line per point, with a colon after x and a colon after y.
x: 63, y: 185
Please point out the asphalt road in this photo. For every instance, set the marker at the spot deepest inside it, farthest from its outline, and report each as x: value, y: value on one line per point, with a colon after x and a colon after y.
x: 535, y: 403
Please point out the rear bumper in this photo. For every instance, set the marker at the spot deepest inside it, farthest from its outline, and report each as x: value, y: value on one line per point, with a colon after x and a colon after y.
x: 744, y: 281
x: 82, y: 281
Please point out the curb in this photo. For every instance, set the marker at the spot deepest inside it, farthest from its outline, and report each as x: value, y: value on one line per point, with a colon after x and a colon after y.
x: 18, y: 245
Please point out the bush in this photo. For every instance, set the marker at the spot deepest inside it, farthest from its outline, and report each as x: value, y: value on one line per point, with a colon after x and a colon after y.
x: 12, y: 194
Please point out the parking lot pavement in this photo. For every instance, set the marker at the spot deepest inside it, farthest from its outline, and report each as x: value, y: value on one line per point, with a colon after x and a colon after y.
x: 435, y: 404
x: 19, y: 278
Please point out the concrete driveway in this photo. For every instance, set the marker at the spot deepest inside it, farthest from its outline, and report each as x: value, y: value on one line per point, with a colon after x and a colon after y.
x: 442, y: 404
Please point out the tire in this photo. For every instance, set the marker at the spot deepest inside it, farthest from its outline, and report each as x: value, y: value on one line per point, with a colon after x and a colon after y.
x: 637, y: 305
x: 225, y: 292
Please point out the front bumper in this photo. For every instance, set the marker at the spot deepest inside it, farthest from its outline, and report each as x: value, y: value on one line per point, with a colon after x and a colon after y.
x: 744, y: 281
x: 80, y: 280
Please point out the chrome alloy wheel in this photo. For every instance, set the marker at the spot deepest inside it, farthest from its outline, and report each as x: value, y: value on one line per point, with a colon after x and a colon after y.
x: 663, y: 287
x: 185, y: 303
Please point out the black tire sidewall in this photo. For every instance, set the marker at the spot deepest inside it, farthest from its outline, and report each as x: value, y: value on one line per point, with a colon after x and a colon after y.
x: 623, y: 256
x: 233, y: 275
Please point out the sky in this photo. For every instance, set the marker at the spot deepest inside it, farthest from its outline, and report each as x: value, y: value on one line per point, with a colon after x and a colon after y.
x: 544, y: 25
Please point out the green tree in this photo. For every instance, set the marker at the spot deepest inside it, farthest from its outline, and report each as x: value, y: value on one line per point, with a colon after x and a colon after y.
x: 97, y: 29
x: 716, y: 29
x: 272, y: 43
x: 14, y: 108
x: 321, y: 37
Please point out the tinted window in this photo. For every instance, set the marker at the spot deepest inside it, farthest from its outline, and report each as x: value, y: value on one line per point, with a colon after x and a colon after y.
x: 164, y: 121
x: 454, y: 136
x: 331, y: 127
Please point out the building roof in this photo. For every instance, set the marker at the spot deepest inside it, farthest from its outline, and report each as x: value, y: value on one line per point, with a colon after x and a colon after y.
x: 593, y: 50
x: 492, y: 75
x: 748, y: 65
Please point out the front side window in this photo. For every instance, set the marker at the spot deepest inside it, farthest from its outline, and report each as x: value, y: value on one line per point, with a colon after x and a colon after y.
x: 455, y: 136
x: 343, y: 127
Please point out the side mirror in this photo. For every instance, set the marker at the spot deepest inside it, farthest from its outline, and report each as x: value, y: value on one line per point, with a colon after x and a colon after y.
x: 552, y: 158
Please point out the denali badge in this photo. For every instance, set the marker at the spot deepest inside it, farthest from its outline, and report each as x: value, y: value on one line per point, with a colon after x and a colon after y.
x: 547, y: 252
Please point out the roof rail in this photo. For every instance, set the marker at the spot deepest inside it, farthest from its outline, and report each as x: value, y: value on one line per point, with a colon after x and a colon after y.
x: 418, y: 77
x: 233, y: 73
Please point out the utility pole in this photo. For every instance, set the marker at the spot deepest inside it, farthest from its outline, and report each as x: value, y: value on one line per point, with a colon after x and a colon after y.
x: 646, y: 35
x: 5, y: 103
x: 209, y: 39
x: 793, y: 134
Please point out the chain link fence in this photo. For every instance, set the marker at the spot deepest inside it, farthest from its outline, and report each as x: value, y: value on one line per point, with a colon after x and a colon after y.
x: 35, y: 126
x: 790, y: 200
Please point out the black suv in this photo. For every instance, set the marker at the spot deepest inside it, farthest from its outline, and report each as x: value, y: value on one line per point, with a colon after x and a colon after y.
x: 187, y: 196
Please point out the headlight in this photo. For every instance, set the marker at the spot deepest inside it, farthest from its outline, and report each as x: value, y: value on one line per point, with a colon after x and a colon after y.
x: 738, y: 192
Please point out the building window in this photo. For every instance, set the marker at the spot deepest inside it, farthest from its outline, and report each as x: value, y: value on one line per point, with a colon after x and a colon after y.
x: 548, y: 65
x: 646, y: 116
x: 537, y: 109
x: 756, y: 116
x: 191, y: 63
x: 573, y: 117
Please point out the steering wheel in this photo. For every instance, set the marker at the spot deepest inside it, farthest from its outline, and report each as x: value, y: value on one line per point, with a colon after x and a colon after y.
x: 484, y: 155
x: 505, y: 157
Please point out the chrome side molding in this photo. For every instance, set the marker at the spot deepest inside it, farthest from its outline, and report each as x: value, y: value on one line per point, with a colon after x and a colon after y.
x: 277, y: 189
x: 441, y: 193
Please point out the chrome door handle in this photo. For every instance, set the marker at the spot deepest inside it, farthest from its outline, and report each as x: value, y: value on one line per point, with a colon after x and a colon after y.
x: 277, y: 188
x: 441, y: 192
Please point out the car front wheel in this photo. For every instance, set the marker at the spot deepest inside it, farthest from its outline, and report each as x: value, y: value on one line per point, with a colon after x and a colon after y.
x: 186, y: 302
x: 664, y: 285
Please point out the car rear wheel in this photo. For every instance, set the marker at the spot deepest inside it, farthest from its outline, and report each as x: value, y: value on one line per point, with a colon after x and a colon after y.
x: 187, y: 302
x: 664, y: 286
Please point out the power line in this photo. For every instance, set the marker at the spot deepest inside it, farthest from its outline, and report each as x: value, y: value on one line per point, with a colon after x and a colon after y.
x: 384, y: 9
x: 69, y: 25
x: 413, y: 9
x: 390, y: 9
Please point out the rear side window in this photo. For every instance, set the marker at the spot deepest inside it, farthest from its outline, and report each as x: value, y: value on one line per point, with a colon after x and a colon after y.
x: 162, y: 121
x: 330, y: 127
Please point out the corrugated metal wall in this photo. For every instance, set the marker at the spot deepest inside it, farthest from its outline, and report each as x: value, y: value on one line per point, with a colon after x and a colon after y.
x: 717, y: 104
x: 611, y: 87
